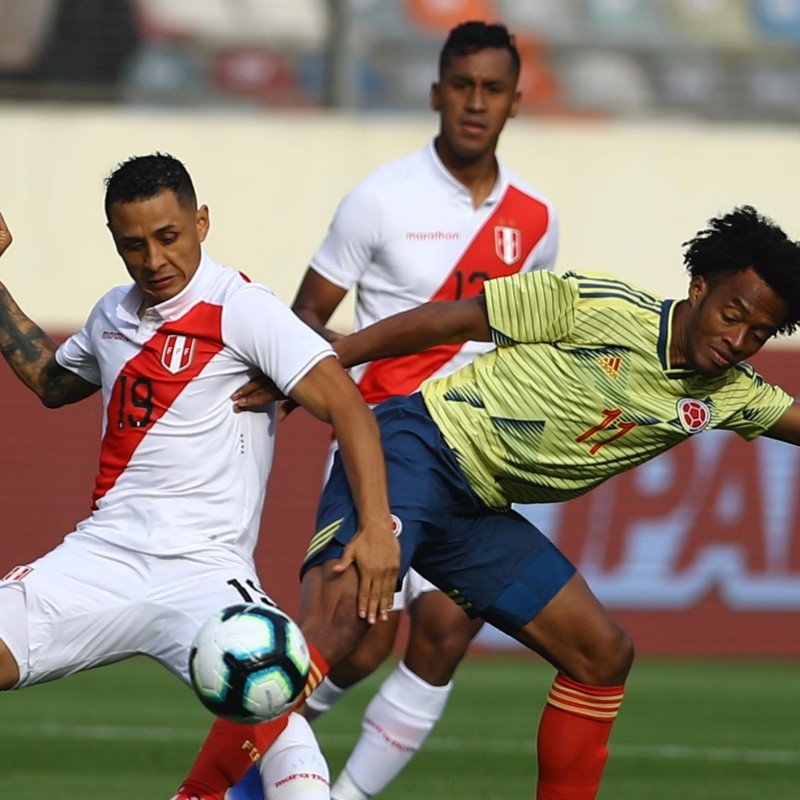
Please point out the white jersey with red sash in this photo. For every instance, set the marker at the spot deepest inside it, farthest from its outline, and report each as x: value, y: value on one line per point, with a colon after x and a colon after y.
x: 409, y: 234
x: 178, y: 469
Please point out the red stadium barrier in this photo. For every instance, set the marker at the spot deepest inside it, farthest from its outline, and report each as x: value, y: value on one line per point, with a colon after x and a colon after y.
x: 697, y: 552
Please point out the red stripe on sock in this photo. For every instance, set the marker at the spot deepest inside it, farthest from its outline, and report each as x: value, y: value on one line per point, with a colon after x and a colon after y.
x: 593, y: 702
x: 318, y: 670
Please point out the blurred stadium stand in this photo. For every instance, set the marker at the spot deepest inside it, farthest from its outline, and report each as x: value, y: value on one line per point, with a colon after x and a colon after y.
x: 728, y: 60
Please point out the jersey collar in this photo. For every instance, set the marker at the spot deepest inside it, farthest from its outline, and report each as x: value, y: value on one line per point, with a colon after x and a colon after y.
x: 456, y: 188
x: 175, y: 307
x: 665, y: 334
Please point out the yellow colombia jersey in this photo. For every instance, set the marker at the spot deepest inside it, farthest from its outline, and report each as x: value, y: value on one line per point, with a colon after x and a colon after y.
x: 579, y: 388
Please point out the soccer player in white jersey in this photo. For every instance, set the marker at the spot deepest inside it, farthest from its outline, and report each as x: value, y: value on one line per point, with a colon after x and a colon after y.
x: 180, y: 489
x: 431, y: 226
x: 590, y: 376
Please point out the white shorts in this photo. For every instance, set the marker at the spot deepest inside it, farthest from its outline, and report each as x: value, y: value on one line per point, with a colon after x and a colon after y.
x: 89, y: 603
x: 412, y: 587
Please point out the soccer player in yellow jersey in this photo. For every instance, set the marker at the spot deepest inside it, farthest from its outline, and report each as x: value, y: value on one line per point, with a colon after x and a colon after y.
x: 591, y: 376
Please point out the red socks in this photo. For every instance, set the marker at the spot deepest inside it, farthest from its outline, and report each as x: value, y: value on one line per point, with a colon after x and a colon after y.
x: 573, y: 739
x: 231, y: 748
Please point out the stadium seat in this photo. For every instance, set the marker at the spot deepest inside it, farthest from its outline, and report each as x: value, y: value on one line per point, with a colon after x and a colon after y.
x: 772, y: 88
x: 635, y: 22
x: 382, y: 20
x: 717, y: 22
x: 552, y: 20
x: 694, y: 82
x: 439, y: 16
x: 220, y: 22
x: 164, y: 73
x: 255, y: 73
x: 312, y: 74
x: 778, y: 20
x: 406, y: 71
x: 605, y: 81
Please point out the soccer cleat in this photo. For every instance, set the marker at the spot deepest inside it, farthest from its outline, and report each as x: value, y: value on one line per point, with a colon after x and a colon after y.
x: 248, y: 788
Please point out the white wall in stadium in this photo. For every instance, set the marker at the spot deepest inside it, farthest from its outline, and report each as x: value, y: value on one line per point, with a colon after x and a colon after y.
x: 628, y: 193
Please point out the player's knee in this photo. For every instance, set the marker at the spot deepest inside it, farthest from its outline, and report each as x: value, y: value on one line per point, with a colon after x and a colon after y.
x: 449, y: 643
x: 371, y: 652
x: 437, y: 643
x: 610, y: 659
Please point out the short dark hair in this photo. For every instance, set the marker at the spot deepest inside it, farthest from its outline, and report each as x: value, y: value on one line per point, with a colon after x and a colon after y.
x: 744, y: 239
x: 470, y: 37
x: 144, y: 177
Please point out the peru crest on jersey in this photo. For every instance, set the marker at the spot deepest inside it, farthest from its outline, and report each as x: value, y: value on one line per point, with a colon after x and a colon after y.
x: 694, y: 415
x: 177, y: 353
x: 508, y: 244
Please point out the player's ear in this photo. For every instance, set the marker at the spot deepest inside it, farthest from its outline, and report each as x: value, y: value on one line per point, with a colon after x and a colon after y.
x: 436, y: 96
x: 515, y: 104
x: 203, y: 222
x: 698, y: 287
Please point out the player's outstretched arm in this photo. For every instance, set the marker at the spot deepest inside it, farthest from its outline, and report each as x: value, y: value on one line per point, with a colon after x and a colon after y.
x: 316, y: 299
x: 787, y: 428
x: 329, y: 394
x: 416, y: 330
x: 30, y: 352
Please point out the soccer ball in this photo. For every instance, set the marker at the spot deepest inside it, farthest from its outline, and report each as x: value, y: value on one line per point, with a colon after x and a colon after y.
x: 249, y: 663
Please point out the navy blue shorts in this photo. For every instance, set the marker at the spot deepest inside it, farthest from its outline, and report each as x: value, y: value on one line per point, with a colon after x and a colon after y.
x: 493, y: 563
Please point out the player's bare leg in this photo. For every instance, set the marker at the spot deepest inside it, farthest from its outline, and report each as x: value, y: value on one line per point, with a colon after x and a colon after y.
x: 328, y: 616
x: 411, y: 700
x: 15, y: 630
x: 439, y: 637
x: 372, y: 651
x: 9, y: 671
x: 575, y: 633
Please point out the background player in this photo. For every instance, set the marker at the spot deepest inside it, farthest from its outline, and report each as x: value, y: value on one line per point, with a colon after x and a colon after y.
x: 180, y: 489
x: 544, y: 417
x: 431, y: 226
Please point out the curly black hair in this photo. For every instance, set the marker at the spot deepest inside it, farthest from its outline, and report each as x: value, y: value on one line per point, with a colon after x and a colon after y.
x: 744, y: 239
x: 471, y: 37
x: 144, y: 177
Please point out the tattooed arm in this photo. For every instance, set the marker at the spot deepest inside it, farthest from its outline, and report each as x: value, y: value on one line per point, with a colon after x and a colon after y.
x: 30, y: 352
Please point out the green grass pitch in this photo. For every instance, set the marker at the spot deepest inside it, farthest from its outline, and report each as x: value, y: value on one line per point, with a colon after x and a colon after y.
x: 689, y: 730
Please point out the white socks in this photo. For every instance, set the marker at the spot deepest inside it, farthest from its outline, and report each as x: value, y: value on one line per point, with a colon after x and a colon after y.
x: 396, y: 723
x: 322, y: 698
x: 294, y: 768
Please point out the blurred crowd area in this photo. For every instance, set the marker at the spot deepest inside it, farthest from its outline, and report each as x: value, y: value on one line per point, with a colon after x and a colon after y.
x: 727, y: 60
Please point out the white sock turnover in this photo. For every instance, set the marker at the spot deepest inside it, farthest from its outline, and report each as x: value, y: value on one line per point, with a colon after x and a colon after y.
x: 396, y: 723
x: 294, y: 767
x: 327, y: 694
